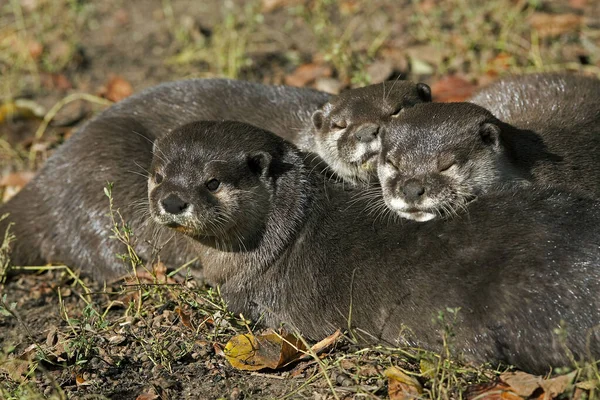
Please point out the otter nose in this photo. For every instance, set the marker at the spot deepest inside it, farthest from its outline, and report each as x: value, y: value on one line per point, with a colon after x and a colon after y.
x: 413, y: 190
x: 174, y: 205
x: 367, y: 133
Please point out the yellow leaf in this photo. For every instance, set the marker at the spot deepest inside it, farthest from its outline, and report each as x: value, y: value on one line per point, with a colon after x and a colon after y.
x: 21, y: 109
x: 250, y: 353
x: 400, y: 385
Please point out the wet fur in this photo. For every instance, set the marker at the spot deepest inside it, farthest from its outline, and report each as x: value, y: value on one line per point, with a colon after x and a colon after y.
x: 61, y: 216
x: 369, y: 106
x: 558, y: 153
x: 517, y: 265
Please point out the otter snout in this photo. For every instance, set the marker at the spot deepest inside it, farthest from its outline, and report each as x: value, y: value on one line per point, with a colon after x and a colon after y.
x: 413, y: 190
x: 366, y: 133
x: 173, y: 204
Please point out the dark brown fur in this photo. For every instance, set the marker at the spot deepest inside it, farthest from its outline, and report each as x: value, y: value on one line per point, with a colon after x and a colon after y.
x: 285, y: 246
x: 345, y: 131
x: 62, y: 216
x: 440, y: 156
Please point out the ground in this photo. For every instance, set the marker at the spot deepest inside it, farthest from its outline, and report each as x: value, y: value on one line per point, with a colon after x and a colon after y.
x: 162, y: 336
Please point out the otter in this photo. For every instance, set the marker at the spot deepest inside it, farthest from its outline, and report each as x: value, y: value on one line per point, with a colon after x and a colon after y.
x: 62, y: 214
x: 441, y: 156
x: 286, y: 245
x: 529, y: 101
x: 346, y: 129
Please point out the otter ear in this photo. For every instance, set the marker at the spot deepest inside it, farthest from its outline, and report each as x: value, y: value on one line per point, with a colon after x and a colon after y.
x: 424, y: 92
x: 490, y: 134
x: 259, y: 162
x: 317, y: 119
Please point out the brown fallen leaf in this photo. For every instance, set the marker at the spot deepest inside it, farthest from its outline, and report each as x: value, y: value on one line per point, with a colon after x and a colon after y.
x: 16, y: 179
x: 35, y: 49
x: 522, y: 383
x: 81, y: 381
x: 499, y: 64
x: 307, y: 73
x: 587, y: 385
x: 271, y: 5
x: 326, y: 343
x: 147, y: 396
x: 185, y: 317
x: 18, y: 367
x: 402, y: 386
x: 251, y: 353
x: 579, y: 4
x: 492, y: 391
x: 218, y: 350
x: 349, y: 7
x: 452, y: 88
x: 550, y: 25
x: 116, y: 89
x: 554, y: 386
x: 56, y: 81
x: 527, y: 385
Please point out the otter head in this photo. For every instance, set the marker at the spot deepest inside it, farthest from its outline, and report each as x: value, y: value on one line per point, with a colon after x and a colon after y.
x: 213, y: 181
x: 439, y: 157
x: 347, y: 127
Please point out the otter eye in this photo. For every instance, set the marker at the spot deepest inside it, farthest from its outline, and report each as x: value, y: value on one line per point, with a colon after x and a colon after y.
x: 444, y: 164
x: 339, y: 124
x: 391, y: 163
x: 213, y: 185
x: 158, y: 178
x: 397, y: 111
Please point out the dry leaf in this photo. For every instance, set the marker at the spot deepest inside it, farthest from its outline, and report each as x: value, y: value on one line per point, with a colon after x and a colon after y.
x: 307, y: 73
x: 185, y: 317
x: 522, y: 383
x: 525, y: 384
x: 147, y: 396
x: 401, y: 386
x: 579, y: 4
x: 587, y: 385
x: 501, y: 63
x: 81, y: 381
x: 329, y: 341
x: 250, y: 353
x: 116, y: 339
x: 218, y: 350
x: 18, y: 367
x: 271, y: 5
x: 16, y: 179
x: 557, y: 385
x: 349, y: 7
x: 117, y: 89
x: 452, y: 88
x: 492, y: 391
x: 56, y: 81
x: 549, y: 25
x: 35, y: 49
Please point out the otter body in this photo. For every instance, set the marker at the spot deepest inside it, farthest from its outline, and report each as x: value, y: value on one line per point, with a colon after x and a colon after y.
x: 285, y: 246
x: 62, y: 214
x: 440, y: 156
x: 543, y: 100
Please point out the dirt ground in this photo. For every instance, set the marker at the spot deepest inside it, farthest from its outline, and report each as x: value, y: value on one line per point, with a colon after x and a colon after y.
x: 62, y: 336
